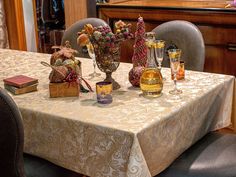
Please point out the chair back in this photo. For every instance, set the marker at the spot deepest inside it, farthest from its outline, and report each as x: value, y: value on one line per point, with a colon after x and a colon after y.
x: 71, y: 34
x: 185, y: 36
x: 11, y: 138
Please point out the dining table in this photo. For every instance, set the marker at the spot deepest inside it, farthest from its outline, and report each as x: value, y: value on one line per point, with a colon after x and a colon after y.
x: 134, y: 136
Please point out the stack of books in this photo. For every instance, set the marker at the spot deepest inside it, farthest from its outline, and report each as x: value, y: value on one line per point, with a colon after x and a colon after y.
x: 20, y: 84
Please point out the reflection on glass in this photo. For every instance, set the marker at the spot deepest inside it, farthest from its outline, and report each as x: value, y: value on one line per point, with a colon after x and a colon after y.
x: 92, y: 55
x: 174, y: 55
x: 150, y: 36
x: 159, y: 52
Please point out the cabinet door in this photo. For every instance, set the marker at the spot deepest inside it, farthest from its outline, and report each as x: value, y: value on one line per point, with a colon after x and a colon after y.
x: 220, y: 60
x: 220, y: 42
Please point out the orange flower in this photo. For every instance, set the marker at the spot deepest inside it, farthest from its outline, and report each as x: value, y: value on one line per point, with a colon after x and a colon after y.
x: 88, y: 28
x: 119, y: 24
x: 83, y: 40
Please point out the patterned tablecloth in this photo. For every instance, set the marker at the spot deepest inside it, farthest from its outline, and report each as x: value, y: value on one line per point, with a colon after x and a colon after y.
x: 133, y: 136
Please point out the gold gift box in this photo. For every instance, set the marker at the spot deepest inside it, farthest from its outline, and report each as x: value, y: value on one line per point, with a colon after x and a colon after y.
x: 64, y: 89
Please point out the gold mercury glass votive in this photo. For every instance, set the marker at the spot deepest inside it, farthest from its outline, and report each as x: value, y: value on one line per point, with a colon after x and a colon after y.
x: 104, y: 92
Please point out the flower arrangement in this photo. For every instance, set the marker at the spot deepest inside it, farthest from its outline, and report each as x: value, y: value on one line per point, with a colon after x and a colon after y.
x: 65, y: 68
x: 63, y: 53
x: 66, y: 72
x: 102, y: 35
x: 106, y: 45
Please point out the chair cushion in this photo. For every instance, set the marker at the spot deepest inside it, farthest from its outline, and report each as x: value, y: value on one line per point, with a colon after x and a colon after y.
x: 37, y: 167
x: 212, y: 156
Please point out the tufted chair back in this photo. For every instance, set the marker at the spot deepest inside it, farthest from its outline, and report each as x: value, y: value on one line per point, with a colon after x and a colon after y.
x: 185, y: 36
x: 71, y: 33
x: 11, y: 138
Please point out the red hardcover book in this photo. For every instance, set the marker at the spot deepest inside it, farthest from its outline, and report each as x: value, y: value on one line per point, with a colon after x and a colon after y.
x: 20, y: 81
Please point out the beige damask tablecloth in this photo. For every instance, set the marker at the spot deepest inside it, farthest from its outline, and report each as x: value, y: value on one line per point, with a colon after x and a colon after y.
x: 133, y: 136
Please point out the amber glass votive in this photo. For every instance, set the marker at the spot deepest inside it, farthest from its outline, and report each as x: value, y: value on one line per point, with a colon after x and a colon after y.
x: 181, y: 73
x: 104, y: 92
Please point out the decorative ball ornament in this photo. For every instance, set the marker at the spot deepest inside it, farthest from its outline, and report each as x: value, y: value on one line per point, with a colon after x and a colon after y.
x: 135, y: 74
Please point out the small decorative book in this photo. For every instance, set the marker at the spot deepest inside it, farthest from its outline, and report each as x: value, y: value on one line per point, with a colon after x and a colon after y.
x: 20, y: 81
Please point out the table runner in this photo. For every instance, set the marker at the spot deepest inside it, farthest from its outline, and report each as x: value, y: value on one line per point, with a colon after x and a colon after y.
x: 133, y: 136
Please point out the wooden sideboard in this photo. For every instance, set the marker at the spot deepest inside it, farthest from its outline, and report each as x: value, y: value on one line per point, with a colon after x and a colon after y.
x: 217, y: 24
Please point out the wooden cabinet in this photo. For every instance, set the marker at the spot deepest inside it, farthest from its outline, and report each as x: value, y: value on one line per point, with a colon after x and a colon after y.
x: 76, y: 10
x: 217, y: 24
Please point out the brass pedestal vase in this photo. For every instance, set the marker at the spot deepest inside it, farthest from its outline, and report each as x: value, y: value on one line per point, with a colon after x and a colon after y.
x: 108, y: 60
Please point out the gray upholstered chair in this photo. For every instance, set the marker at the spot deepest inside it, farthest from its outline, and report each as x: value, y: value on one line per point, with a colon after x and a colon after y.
x: 12, y: 161
x: 71, y: 34
x: 213, y: 156
x: 186, y: 36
